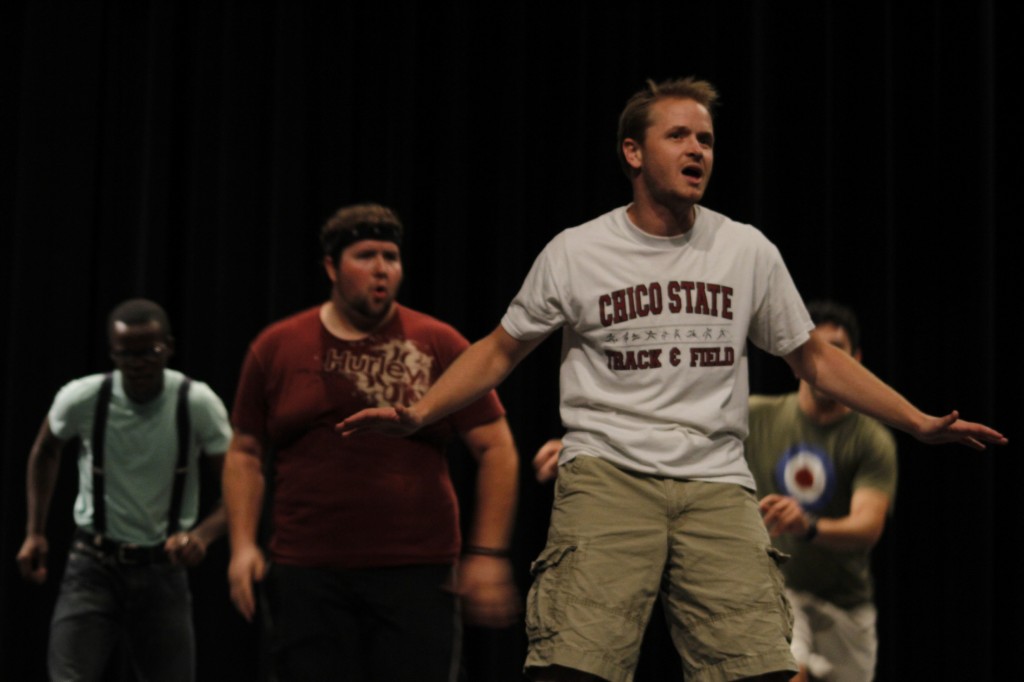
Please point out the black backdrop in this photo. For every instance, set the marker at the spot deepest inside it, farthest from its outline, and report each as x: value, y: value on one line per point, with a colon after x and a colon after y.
x: 189, y: 151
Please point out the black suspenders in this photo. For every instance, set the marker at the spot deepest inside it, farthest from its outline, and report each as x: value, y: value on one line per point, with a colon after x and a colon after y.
x: 182, y: 468
x: 99, y: 427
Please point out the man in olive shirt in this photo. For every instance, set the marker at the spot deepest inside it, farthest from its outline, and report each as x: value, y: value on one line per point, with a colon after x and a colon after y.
x: 826, y: 476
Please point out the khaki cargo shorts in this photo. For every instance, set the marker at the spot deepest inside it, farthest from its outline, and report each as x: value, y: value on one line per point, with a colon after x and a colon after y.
x: 618, y: 540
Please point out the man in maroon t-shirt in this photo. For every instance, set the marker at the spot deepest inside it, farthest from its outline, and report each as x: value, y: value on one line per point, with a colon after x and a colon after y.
x: 364, y: 571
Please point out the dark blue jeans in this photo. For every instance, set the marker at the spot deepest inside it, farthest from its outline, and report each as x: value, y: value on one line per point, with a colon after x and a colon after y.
x: 146, y: 610
x: 397, y: 624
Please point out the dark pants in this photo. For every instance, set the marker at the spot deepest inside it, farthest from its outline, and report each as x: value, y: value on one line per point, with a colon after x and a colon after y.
x: 382, y: 624
x: 104, y: 605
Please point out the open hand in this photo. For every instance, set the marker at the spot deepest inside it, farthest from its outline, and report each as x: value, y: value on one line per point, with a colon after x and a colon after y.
x: 247, y: 566
x: 952, y: 429
x: 391, y: 421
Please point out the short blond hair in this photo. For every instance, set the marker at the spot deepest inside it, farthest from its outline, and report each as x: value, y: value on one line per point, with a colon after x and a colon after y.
x: 636, y: 116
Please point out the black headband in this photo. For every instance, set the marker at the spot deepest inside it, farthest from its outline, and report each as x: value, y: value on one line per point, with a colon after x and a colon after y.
x: 342, y: 239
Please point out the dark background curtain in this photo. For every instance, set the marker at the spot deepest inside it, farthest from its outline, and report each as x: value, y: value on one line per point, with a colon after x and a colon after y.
x: 189, y: 151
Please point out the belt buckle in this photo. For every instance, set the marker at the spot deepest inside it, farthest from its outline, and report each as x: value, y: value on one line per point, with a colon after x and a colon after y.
x: 122, y: 554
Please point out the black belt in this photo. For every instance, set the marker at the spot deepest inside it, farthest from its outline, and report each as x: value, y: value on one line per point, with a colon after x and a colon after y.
x: 120, y: 552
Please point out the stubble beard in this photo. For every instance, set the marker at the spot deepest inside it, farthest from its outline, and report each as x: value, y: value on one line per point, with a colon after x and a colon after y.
x: 371, y: 312
x: 678, y: 204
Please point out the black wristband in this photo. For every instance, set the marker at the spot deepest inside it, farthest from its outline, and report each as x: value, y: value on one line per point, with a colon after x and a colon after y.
x: 485, y: 551
x: 812, y: 529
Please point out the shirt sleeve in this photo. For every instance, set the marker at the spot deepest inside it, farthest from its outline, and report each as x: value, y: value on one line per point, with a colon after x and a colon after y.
x: 781, y: 323
x: 72, y: 406
x: 210, y: 418
x: 878, y: 467
x: 539, y: 307
x: 249, y: 412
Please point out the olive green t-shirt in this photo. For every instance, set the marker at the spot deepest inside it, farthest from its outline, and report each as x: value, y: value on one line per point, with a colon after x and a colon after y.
x: 820, y: 466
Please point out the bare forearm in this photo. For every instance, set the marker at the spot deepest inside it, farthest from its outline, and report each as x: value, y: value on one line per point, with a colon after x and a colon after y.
x: 485, y: 573
x: 831, y: 370
x: 213, y: 526
x: 40, y: 492
x: 480, y: 368
x: 862, y: 527
x: 41, y: 478
x: 497, y: 481
x: 846, y: 534
x: 496, y: 488
x: 838, y: 374
x: 858, y: 530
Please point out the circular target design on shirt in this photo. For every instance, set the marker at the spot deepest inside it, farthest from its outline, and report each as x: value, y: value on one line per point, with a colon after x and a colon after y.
x: 806, y: 474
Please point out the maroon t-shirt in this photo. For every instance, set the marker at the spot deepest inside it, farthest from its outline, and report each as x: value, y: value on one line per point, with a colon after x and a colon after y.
x: 368, y: 499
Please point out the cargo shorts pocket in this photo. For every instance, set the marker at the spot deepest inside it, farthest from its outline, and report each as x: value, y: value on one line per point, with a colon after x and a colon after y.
x: 546, y: 600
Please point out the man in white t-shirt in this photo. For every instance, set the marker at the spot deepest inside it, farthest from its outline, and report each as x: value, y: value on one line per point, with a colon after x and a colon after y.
x: 656, y: 301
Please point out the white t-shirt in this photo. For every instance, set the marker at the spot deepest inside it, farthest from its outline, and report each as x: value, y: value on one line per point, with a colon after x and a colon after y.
x: 654, y: 375
x: 140, y: 452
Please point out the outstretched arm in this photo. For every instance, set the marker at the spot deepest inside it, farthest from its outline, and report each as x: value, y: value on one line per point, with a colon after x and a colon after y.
x: 485, y: 573
x: 43, y: 466
x: 831, y: 370
x: 480, y: 368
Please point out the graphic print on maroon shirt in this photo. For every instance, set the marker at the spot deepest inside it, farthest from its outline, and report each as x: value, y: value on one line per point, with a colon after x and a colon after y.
x: 368, y: 499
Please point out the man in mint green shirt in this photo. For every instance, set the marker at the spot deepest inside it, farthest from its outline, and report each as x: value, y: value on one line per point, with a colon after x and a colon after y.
x: 142, y: 428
